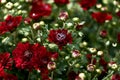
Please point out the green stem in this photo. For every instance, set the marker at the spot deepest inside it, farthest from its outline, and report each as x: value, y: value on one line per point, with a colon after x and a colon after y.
x: 107, y: 77
x: 52, y: 75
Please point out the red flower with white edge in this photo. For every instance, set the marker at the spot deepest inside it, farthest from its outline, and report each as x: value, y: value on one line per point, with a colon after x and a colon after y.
x: 22, y: 55
x: 75, y: 53
x: 51, y: 65
x: 61, y: 2
x: 86, y: 4
x: 40, y: 10
x: 115, y: 77
x: 5, y: 63
x: 60, y: 37
x: 10, y: 23
x: 101, y: 17
x: 63, y: 15
x: 103, y: 33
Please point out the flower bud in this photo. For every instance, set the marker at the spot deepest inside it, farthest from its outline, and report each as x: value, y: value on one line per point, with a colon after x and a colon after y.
x: 77, y: 65
x: 98, y: 5
x: 24, y: 39
x: 16, y: 4
x: 9, y: 5
x: 75, y: 19
x: 92, y: 50
x: 98, y: 71
x: 69, y: 25
x: 3, y: 1
x: 91, y: 67
x: 113, y: 65
x: 63, y: 15
x: 83, y: 44
x: 67, y: 57
x: 75, y: 53
x: 81, y: 75
x: 52, y: 45
x: 51, y: 65
x: 38, y: 40
x: 36, y: 26
x: 42, y: 23
x: 100, y: 53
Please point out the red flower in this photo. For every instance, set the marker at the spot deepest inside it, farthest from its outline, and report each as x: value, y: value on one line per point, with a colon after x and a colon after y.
x: 86, y: 4
x: 60, y: 37
x: 118, y: 37
x: 41, y: 57
x: 115, y: 77
x: 22, y: 55
x: 101, y: 17
x: 40, y: 10
x: 5, y: 63
x: 10, y: 77
x: 10, y: 23
x: 61, y: 2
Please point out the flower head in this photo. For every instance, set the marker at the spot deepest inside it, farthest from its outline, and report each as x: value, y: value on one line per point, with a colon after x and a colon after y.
x: 86, y: 4
x: 40, y: 10
x: 101, y: 17
x: 60, y: 37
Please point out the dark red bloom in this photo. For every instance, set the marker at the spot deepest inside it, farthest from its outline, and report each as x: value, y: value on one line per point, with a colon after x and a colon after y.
x: 40, y: 10
x: 5, y: 63
x: 72, y: 75
x: 61, y: 2
x: 115, y: 77
x: 41, y: 56
x: 101, y: 17
x: 118, y: 37
x: 118, y: 14
x: 60, y: 37
x: 10, y: 77
x: 86, y: 4
x: 22, y: 55
x: 10, y: 23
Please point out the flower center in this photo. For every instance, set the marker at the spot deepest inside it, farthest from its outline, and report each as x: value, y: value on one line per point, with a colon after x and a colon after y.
x: 28, y: 55
x: 60, y: 36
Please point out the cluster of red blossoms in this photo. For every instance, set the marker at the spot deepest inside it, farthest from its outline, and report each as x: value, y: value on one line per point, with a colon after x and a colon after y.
x: 35, y: 56
x: 28, y: 56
